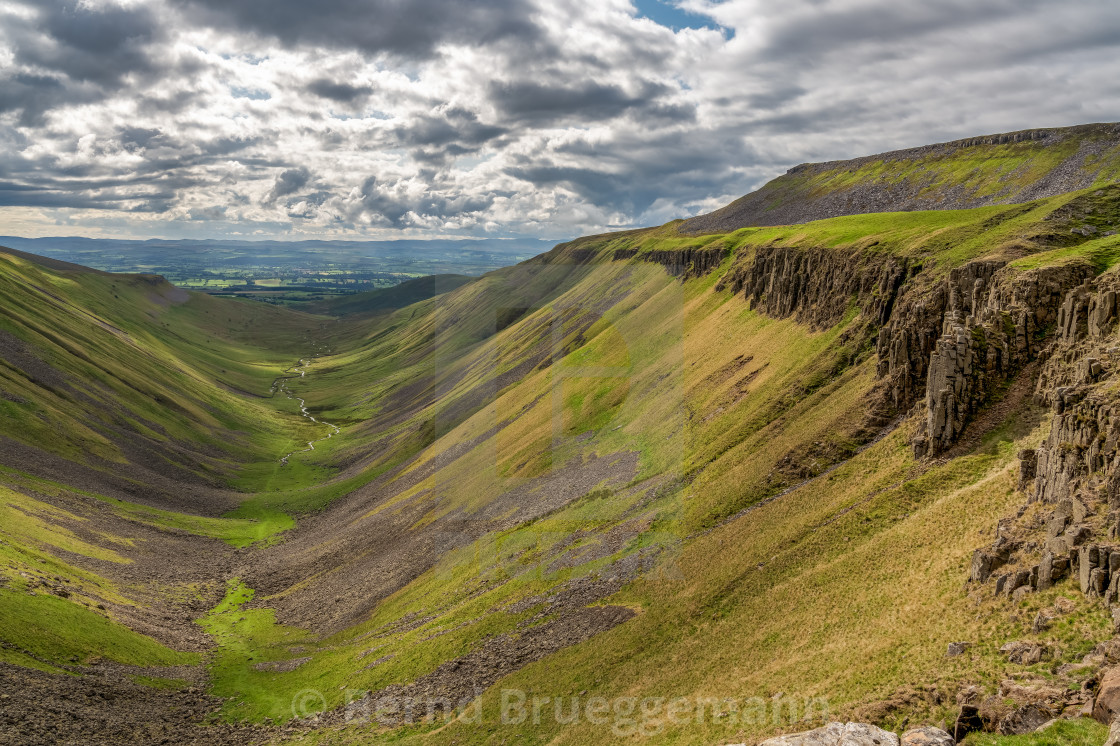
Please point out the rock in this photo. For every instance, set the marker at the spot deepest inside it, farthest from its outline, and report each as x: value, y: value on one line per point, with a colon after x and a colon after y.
x: 927, y: 736
x: 984, y: 563
x: 968, y: 721
x: 1098, y: 581
x: 957, y: 648
x: 838, y: 734
x: 1025, y: 719
x: 1059, y: 546
x: 1024, y: 653
x: 1087, y: 559
x: 1028, y: 463
x: 1106, y: 707
x: 1045, y: 571
x: 1113, y: 734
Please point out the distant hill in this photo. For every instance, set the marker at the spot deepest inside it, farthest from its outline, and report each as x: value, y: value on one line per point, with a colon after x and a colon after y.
x: 1000, y: 169
x: 391, y: 298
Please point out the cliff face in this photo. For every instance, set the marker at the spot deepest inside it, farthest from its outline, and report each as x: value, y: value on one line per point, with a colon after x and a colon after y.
x: 684, y: 263
x: 1074, y: 475
x: 819, y: 286
x: 945, y: 343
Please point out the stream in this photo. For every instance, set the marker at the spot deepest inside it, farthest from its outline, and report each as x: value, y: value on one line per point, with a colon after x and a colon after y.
x: 281, y: 385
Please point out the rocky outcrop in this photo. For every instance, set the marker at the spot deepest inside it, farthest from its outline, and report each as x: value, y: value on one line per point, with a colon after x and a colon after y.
x: 684, y: 263
x: 1075, y: 472
x: 952, y: 342
x: 838, y: 734
x: 819, y: 286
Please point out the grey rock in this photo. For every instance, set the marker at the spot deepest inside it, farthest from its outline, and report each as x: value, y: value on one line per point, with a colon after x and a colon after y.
x: 838, y: 734
x: 927, y: 736
x: 1025, y: 719
x: 1024, y: 653
x: 1113, y: 734
x: 957, y: 648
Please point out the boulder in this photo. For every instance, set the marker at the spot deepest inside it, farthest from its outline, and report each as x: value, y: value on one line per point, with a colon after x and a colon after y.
x: 1026, y: 719
x: 838, y: 734
x: 1113, y: 734
x: 1106, y: 708
x: 927, y: 736
x: 957, y: 648
x: 1024, y: 653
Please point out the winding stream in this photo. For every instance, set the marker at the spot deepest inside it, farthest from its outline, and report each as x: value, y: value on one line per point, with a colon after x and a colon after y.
x: 281, y: 385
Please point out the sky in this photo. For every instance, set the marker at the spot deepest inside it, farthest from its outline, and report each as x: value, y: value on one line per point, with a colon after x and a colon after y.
x: 498, y: 118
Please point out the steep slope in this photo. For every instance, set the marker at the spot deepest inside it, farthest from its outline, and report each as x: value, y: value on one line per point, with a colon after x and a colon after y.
x: 746, y: 472
x: 129, y: 413
x: 1009, y: 168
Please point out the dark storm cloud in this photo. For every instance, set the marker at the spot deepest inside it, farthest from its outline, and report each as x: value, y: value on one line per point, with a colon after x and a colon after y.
x: 288, y: 182
x: 830, y: 26
x: 530, y: 101
x: 451, y: 126
x: 343, y: 93
x: 23, y: 195
x: 99, y: 44
x: 690, y: 167
x: 411, y: 28
x: 78, y: 54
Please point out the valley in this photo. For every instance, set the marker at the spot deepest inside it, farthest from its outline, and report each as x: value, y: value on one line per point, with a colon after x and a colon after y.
x: 705, y: 482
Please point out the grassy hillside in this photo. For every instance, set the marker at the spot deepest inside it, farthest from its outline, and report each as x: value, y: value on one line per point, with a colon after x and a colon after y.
x: 1002, y: 169
x: 706, y: 409
x: 614, y: 471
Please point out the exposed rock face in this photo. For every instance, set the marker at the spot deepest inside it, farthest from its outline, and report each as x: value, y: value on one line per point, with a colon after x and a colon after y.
x: 994, y: 320
x: 838, y: 734
x: 1106, y: 709
x: 968, y: 721
x: 1075, y: 472
x: 818, y: 286
x: 684, y: 263
x: 927, y: 736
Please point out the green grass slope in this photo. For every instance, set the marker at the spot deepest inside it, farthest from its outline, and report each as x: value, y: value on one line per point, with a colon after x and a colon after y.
x: 582, y: 477
x: 1001, y: 169
x: 847, y: 587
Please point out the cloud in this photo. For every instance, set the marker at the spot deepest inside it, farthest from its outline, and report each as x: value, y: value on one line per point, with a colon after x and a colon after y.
x: 531, y: 101
x: 288, y: 182
x: 509, y: 117
x: 336, y: 91
x: 412, y: 29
